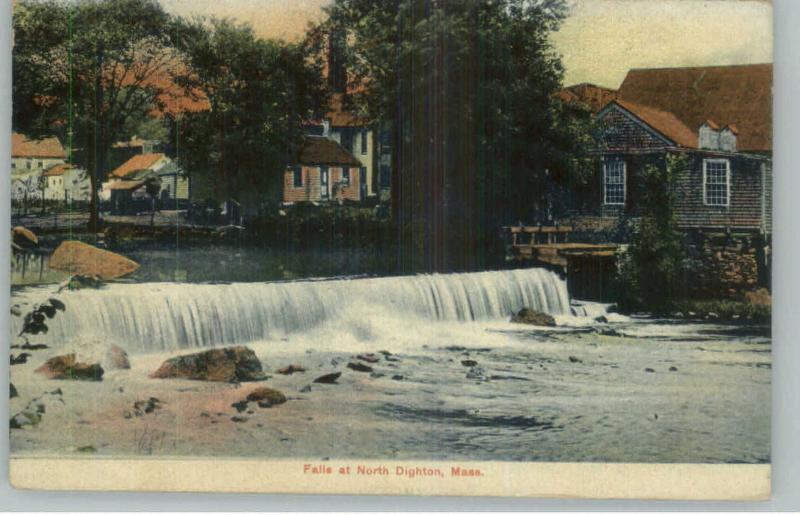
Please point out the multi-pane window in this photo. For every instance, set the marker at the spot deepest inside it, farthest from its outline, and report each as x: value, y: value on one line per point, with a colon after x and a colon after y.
x: 346, y: 176
x: 297, y: 177
x: 363, y: 142
x: 716, y: 182
x: 614, y: 182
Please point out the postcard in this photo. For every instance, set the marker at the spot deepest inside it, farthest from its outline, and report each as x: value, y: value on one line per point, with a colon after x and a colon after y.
x: 486, y: 247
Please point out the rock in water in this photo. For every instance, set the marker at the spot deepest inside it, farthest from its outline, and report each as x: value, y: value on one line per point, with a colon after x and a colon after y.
x: 529, y: 316
x: 229, y: 365
x: 369, y: 357
x: 79, y: 258
x: 328, y: 378
x: 291, y: 369
x: 67, y: 367
x: 24, y: 237
x: 266, y: 397
x: 359, y: 367
x: 117, y: 358
x: 12, y: 391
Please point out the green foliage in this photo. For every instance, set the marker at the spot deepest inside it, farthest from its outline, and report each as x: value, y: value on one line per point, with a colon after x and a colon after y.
x: 259, y: 91
x: 722, y: 309
x: 82, y: 69
x: 467, y: 90
x: 652, y: 271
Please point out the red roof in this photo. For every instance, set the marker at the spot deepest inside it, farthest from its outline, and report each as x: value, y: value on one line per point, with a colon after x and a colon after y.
x: 57, y: 170
x: 125, y: 185
x: 137, y: 163
x: 592, y: 96
x: 730, y: 95
x: 319, y: 150
x: 663, y: 122
x: 21, y: 146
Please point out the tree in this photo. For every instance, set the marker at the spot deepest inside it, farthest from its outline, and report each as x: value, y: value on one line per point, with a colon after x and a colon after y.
x: 259, y: 93
x: 652, y: 272
x: 82, y: 69
x: 467, y: 91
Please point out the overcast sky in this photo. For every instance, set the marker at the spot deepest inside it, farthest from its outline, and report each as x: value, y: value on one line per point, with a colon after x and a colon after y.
x: 599, y: 42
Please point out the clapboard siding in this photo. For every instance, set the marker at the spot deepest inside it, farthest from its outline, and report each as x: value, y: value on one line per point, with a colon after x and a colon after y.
x: 311, y: 189
x: 620, y: 132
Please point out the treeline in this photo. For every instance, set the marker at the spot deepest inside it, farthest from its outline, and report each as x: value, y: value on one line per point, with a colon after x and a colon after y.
x: 464, y: 90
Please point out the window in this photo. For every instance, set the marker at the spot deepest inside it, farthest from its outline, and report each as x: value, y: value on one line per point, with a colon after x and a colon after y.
x: 28, y: 165
x: 346, y: 176
x: 297, y: 177
x: 614, y: 182
x: 716, y: 182
x: 323, y: 181
x: 363, y: 142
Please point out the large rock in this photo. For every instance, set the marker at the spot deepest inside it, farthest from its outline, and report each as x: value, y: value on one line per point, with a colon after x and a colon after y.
x: 79, y: 258
x: 68, y: 367
x: 529, y: 316
x: 24, y: 237
x: 230, y: 365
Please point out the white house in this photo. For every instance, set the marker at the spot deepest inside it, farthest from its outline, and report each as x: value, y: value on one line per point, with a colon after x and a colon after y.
x: 29, y: 159
x: 66, y: 182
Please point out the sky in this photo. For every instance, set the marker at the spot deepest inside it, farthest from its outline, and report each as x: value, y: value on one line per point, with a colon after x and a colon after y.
x: 599, y: 42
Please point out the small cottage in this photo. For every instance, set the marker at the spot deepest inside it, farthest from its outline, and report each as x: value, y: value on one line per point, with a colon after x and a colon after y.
x: 67, y: 183
x: 324, y: 171
x: 174, y: 193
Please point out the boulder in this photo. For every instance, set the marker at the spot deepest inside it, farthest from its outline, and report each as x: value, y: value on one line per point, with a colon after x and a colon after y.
x: 469, y: 362
x: 67, y: 367
x: 24, y: 237
x: 359, y: 367
x: 529, y: 316
x: 75, y: 257
x: 369, y: 358
x: 25, y: 418
x: 116, y: 358
x: 291, y: 369
x: 232, y: 364
x: 12, y: 391
x: 328, y: 378
x: 266, y: 397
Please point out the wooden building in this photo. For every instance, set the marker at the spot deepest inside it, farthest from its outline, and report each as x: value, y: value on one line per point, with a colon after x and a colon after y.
x: 324, y: 172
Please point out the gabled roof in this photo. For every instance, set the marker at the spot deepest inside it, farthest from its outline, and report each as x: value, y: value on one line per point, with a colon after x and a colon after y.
x: 50, y: 147
x: 590, y: 95
x: 666, y: 124
x: 319, y: 150
x: 729, y: 95
x: 137, y: 163
x: 57, y: 170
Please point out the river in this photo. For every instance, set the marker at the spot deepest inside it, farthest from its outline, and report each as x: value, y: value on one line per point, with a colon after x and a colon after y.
x: 457, y: 380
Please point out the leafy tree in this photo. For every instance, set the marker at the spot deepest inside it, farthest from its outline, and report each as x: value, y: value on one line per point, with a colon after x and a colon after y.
x: 83, y: 68
x: 651, y: 274
x: 259, y: 93
x: 467, y: 90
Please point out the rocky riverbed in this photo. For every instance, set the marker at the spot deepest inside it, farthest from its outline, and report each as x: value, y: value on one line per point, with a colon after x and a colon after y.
x: 632, y: 390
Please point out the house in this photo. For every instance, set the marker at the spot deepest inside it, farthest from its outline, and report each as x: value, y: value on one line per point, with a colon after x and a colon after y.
x: 719, y: 120
x: 174, y: 192
x: 323, y: 172
x: 29, y: 159
x: 359, y: 138
x: 66, y: 182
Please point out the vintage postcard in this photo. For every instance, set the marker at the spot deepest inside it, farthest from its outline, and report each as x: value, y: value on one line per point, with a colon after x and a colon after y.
x: 423, y: 247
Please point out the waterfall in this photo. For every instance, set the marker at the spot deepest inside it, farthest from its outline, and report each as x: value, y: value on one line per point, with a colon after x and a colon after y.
x: 168, y: 316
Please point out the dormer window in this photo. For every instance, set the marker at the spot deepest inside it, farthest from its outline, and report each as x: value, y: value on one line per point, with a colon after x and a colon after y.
x: 708, y: 136
x: 727, y: 139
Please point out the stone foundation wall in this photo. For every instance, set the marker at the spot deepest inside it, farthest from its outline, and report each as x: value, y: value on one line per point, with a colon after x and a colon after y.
x: 723, y: 265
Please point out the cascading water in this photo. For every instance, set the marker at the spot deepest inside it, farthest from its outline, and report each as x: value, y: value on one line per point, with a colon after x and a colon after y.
x: 168, y: 316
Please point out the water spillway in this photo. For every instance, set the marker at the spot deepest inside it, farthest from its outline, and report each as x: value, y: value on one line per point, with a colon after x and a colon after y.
x: 168, y: 316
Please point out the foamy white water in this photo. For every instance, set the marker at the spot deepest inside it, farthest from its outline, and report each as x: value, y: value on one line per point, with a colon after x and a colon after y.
x: 168, y: 316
